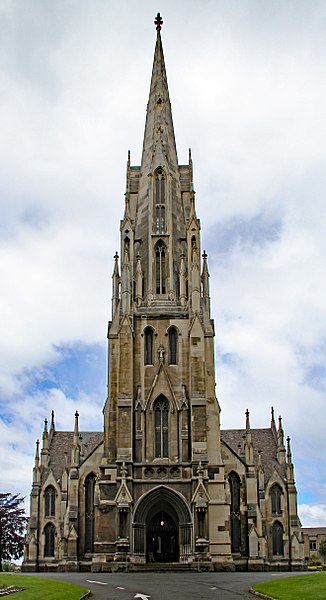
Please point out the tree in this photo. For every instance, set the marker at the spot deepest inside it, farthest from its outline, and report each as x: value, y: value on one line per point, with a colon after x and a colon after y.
x: 322, y: 548
x: 12, y: 526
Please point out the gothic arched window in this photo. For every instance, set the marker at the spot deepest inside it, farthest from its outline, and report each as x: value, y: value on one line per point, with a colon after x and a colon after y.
x: 89, y: 512
x: 49, y: 498
x: 276, y: 494
x: 148, y: 346
x: 234, y: 483
x: 160, y: 283
x: 277, y: 535
x: 161, y: 423
x: 159, y: 202
x: 173, y: 345
x: 49, y: 535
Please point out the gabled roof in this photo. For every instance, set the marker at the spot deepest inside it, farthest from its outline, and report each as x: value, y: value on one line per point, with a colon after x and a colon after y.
x: 263, y: 440
x: 61, y: 444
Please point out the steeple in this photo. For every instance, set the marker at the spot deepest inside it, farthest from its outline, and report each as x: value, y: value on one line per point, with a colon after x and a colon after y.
x: 159, y: 148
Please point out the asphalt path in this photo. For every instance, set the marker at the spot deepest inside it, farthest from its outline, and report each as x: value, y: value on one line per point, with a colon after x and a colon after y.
x: 167, y: 585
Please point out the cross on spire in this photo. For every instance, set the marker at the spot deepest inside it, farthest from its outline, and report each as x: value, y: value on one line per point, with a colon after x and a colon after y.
x: 158, y: 22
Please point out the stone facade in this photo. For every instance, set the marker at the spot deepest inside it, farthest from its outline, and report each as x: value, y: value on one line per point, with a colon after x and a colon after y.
x: 163, y: 483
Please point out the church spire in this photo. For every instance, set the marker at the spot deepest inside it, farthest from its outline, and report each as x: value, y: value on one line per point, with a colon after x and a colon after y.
x: 159, y: 148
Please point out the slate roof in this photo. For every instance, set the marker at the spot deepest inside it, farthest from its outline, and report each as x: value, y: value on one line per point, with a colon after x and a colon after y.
x: 62, y: 442
x: 313, y: 531
x: 263, y: 440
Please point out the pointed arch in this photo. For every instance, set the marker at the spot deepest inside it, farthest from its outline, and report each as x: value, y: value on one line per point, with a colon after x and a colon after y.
x: 276, y: 499
x: 160, y: 267
x: 49, y: 539
x: 173, y: 345
x: 89, y: 511
x: 49, y: 501
x: 160, y: 224
x: 277, y: 539
x: 161, y: 427
x: 148, y: 346
x: 235, y: 517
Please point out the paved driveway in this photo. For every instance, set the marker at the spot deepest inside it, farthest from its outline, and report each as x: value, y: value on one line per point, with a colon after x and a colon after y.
x: 167, y: 586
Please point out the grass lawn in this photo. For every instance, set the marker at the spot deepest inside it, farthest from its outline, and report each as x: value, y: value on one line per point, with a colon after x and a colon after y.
x: 303, y: 587
x: 37, y: 588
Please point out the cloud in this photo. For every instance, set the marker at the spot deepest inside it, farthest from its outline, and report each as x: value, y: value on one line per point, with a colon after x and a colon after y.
x: 313, y: 515
x: 248, y: 95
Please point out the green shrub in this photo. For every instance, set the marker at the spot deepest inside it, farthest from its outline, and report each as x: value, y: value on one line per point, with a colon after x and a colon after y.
x: 314, y: 561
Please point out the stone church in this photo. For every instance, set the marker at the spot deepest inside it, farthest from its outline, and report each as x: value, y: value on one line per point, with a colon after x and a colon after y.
x: 163, y: 483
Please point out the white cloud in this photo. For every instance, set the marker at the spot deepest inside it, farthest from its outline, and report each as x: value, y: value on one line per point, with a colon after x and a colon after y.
x: 313, y: 515
x: 248, y: 89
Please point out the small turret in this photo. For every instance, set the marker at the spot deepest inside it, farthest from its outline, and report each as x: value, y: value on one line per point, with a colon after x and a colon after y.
x: 45, y: 445
x: 249, y: 453
x: 205, y: 284
x: 195, y: 277
x: 138, y: 281
x: 191, y: 172
x: 125, y: 278
x: 273, y: 424
x: 183, y: 280
x: 115, y: 284
x: 75, y: 452
x: 289, y: 463
x: 280, y: 441
x: 36, y: 469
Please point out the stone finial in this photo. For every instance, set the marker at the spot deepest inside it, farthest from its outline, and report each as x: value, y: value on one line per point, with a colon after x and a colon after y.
x: 52, y: 421
x: 288, y: 450
x: 247, y: 420
x: 37, y: 453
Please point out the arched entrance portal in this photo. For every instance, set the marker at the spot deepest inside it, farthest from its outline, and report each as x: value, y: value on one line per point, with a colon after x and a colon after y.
x: 162, y: 527
x: 162, y: 539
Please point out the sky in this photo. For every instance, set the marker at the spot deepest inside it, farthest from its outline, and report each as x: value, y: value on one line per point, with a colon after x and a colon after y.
x: 247, y: 84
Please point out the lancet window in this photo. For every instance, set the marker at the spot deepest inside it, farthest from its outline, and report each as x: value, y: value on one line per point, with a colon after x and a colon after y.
x: 160, y: 268
x: 173, y: 345
x: 49, y: 498
x: 49, y: 537
x: 234, y: 483
x: 89, y: 512
x: 277, y: 536
x: 148, y: 341
x: 161, y: 424
x: 159, y: 202
x: 276, y: 495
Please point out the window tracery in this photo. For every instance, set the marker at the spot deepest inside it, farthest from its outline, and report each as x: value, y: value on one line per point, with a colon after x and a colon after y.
x: 160, y: 268
x: 49, y: 498
x: 161, y: 424
x: 235, y: 516
x: 159, y: 202
x: 276, y: 495
x: 49, y: 537
x: 277, y: 537
x: 89, y: 512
